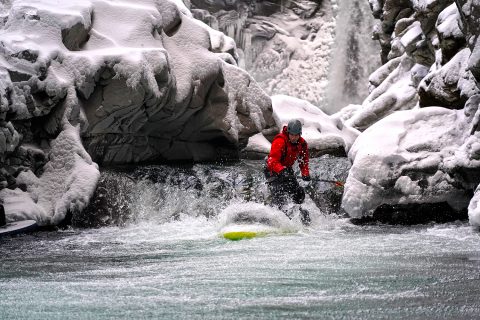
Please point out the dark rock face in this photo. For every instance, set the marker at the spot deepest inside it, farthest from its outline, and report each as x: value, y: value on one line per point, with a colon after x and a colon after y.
x: 326, y: 188
x: 3, y: 220
x: 413, y: 214
x: 109, y: 204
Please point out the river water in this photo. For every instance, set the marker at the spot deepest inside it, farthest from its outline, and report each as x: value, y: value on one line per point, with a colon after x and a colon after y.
x: 172, y: 264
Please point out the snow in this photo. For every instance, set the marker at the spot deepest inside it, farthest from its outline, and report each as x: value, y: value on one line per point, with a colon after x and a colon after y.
x: 164, y: 66
x: 307, y: 57
x: 411, y: 156
x: 67, y: 184
x: 413, y: 34
x: 258, y: 143
x: 448, y: 22
x: 321, y: 131
x: 395, y: 92
x: 474, y: 209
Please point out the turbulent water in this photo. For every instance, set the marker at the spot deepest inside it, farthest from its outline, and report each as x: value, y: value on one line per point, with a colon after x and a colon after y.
x: 166, y: 260
x: 184, y: 270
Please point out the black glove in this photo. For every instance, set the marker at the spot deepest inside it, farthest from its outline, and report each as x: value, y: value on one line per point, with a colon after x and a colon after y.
x: 306, y: 178
x: 285, y: 174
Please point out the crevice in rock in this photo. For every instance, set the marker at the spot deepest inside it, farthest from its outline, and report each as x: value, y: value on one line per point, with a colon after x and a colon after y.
x: 173, y: 28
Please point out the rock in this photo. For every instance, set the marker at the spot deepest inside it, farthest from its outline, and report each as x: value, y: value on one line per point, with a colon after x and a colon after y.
x: 411, y: 159
x: 444, y: 86
x: 155, y: 86
x: 474, y: 209
x: 410, y: 214
x: 110, y: 204
x: 396, y: 92
x: 451, y: 38
x: 3, y: 220
x: 326, y: 189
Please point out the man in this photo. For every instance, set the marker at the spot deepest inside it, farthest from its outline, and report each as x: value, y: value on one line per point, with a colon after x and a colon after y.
x: 287, y: 147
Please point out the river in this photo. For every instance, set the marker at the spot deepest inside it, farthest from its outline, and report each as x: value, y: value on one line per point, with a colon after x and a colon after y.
x: 172, y: 264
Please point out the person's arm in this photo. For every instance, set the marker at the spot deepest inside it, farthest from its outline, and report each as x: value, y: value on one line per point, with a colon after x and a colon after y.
x: 303, y: 161
x: 274, y: 158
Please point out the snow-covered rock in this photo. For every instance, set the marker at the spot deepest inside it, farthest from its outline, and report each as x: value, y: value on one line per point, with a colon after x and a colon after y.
x: 141, y: 80
x: 397, y: 91
x: 324, y: 134
x: 154, y: 84
x: 474, y: 209
x: 451, y: 85
x: 68, y: 181
x: 421, y: 161
x: 421, y: 40
x: 414, y: 157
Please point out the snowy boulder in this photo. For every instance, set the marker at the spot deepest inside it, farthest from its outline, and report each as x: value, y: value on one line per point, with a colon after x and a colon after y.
x: 66, y: 185
x: 450, y: 36
x: 155, y: 84
x: 324, y: 134
x: 413, y: 157
x: 474, y: 209
x: 470, y: 15
x: 450, y: 86
x: 394, y: 88
x: 138, y: 81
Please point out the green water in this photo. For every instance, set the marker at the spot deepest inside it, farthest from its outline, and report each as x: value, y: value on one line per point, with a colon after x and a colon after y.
x: 184, y: 270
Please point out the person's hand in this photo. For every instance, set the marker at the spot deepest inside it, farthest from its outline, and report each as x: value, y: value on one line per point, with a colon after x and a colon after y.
x: 306, y: 178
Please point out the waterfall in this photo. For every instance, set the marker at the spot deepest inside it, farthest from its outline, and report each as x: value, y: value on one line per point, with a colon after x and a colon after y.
x: 321, y: 52
x: 354, y: 55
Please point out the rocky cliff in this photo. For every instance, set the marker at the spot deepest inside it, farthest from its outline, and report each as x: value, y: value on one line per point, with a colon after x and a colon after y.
x: 428, y: 153
x: 93, y: 81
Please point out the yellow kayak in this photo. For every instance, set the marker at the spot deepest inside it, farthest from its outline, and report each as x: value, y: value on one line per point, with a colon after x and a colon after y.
x: 247, y: 231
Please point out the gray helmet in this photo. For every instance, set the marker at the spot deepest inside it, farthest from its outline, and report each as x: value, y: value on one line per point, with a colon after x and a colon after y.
x: 294, y: 127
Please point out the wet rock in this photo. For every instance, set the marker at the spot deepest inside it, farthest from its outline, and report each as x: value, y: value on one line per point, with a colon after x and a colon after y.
x: 110, y: 204
x: 412, y: 214
x: 3, y: 220
x: 326, y: 188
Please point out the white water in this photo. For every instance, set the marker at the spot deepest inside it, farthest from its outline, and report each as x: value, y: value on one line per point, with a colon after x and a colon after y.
x: 183, y: 269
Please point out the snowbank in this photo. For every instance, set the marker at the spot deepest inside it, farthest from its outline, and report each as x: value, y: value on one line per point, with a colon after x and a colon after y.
x: 324, y: 134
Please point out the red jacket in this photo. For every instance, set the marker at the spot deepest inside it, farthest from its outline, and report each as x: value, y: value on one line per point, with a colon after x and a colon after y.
x: 284, y: 154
